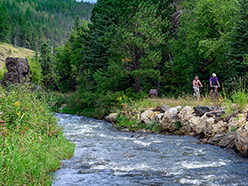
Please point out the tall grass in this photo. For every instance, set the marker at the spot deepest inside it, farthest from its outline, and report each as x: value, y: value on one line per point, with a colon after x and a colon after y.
x: 240, y: 99
x: 31, y: 142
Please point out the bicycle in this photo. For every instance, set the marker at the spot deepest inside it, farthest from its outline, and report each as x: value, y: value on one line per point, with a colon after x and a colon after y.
x: 197, y: 93
x: 215, y: 94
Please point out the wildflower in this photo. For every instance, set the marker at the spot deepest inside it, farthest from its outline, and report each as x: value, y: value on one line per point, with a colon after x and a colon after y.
x: 124, y: 96
x: 19, y: 113
x: 17, y: 104
x: 4, y: 134
x: 122, y: 104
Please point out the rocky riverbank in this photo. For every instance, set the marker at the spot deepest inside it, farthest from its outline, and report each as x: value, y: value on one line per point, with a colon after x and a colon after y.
x: 211, y: 124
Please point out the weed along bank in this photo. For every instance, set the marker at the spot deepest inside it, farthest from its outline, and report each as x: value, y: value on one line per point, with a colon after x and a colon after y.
x: 211, y: 124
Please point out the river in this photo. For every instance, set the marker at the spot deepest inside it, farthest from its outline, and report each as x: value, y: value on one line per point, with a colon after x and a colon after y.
x: 106, y: 156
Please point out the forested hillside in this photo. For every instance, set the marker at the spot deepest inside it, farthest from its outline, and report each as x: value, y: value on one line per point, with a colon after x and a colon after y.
x: 29, y: 23
x: 132, y: 46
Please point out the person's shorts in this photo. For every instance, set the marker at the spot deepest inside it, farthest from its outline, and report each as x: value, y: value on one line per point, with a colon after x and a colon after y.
x: 213, y: 88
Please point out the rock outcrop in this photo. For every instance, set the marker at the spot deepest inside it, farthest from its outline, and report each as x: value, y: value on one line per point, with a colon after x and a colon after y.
x: 18, y: 71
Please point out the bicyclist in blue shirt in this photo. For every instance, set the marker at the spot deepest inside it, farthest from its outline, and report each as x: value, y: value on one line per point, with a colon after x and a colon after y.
x: 214, y: 84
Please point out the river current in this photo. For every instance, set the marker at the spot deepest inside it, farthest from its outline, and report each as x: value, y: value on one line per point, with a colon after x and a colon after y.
x: 106, y: 156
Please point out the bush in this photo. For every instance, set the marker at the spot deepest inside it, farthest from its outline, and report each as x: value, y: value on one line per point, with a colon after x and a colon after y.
x: 35, y: 68
x: 240, y: 98
x: 53, y: 99
x: 32, y: 144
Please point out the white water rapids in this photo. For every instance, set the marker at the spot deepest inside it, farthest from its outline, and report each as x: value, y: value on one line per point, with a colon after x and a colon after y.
x: 106, y: 156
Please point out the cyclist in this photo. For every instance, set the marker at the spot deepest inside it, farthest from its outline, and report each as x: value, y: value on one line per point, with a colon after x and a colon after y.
x: 196, y: 84
x: 214, y: 84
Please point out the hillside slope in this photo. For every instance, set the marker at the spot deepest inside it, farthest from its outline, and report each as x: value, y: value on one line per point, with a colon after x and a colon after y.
x: 7, y: 50
x: 33, y: 22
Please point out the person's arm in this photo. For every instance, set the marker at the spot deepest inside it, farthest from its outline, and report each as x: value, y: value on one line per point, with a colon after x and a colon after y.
x: 210, y: 82
x: 218, y: 83
x: 193, y: 83
x: 200, y: 83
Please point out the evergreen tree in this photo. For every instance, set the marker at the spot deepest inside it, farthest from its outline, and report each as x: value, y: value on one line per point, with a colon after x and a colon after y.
x: 48, y: 67
x: 5, y: 27
x: 238, y: 45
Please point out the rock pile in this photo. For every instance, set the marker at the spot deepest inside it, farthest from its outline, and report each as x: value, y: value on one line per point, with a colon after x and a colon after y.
x: 211, y: 124
x: 18, y: 71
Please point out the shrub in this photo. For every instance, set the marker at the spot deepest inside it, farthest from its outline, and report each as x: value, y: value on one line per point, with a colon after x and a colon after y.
x: 35, y: 68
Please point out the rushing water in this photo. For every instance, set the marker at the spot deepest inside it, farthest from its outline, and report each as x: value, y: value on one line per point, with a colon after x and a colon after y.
x: 105, y: 156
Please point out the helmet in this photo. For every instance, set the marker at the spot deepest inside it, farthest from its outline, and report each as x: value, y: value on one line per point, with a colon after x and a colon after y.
x: 214, y: 75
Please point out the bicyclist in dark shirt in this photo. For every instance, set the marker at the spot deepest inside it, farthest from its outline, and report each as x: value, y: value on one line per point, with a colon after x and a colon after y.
x: 214, y: 84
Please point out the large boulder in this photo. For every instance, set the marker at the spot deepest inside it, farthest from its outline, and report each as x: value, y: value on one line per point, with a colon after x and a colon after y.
x: 228, y: 140
x: 158, y: 118
x: 111, y: 117
x: 164, y: 108
x: 145, y: 116
x: 201, y: 110
x: 185, y: 117
x: 214, y: 128
x: 241, y: 140
x: 169, y: 120
x: 217, y: 138
x: 18, y: 71
x: 204, y: 123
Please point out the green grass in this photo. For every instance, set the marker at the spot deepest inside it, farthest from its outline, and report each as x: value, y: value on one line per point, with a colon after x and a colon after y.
x: 31, y: 142
x: 240, y: 98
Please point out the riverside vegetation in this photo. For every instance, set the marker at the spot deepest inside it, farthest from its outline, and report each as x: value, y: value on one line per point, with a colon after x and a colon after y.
x: 31, y: 142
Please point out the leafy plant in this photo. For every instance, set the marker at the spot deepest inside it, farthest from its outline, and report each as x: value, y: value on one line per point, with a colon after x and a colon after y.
x: 233, y: 128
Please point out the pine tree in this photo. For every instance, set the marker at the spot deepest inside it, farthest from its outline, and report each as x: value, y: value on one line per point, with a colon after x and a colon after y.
x: 238, y: 45
x: 5, y: 27
x: 138, y: 42
x: 48, y: 67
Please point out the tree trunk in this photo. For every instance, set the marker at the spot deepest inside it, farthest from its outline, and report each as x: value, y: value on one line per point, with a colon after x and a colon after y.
x: 159, y: 84
x: 137, y: 67
x: 137, y: 84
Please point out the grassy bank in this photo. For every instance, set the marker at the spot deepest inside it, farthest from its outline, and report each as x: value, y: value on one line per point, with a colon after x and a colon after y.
x: 31, y: 142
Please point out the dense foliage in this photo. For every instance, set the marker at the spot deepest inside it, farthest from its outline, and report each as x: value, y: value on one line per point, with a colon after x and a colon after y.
x: 29, y: 23
x: 140, y: 45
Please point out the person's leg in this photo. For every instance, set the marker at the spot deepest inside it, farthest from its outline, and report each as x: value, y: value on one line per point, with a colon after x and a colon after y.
x: 194, y: 90
x: 216, y: 88
x: 211, y: 92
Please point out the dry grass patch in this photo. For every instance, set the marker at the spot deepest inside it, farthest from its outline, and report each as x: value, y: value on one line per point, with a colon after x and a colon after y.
x: 173, y: 102
x: 7, y: 50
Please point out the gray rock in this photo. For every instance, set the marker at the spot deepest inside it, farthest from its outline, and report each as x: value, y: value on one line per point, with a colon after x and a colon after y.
x: 164, y: 108
x: 215, y: 113
x: 111, y: 117
x: 241, y: 140
x: 201, y: 110
x: 124, y: 130
x: 228, y: 140
x: 217, y: 138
